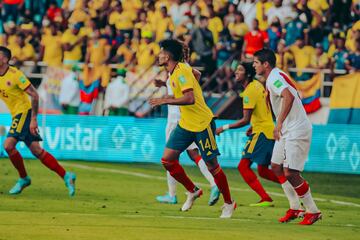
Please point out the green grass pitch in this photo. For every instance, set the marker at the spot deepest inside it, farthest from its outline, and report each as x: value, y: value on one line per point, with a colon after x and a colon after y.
x: 117, y: 201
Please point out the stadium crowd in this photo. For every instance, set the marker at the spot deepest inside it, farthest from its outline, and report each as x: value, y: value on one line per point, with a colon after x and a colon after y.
x: 220, y: 33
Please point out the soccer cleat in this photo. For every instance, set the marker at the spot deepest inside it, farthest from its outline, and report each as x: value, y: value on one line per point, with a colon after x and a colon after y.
x: 263, y: 203
x: 228, y: 210
x: 311, y: 218
x: 167, y: 199
x: 20, y: 185
x: 69, y: 180
x: 214, y: 195
x: 292, y: 214
x: 191, y: 198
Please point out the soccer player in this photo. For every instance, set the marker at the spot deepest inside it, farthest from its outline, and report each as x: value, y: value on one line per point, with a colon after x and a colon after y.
x: 292, y: 134
x: 260, y: 144
x: 196, y: 125
x: 192, y: 151
x: 14, y: 91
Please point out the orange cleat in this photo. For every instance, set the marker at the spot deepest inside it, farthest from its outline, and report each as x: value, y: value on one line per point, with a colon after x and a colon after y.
x: 311, y: 218
x: 292, y: 214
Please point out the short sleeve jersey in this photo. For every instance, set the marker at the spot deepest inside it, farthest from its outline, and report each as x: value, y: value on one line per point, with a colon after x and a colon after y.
x: 12, y: 91
x: 195, y: 117
x: 255, y: 98
x: 297, y: 119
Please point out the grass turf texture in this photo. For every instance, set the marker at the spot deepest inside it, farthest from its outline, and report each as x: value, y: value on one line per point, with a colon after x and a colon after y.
x: 114, y: 205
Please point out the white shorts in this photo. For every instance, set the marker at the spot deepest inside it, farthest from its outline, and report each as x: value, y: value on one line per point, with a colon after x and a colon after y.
x: 292, y: 150
x: 170, y: 126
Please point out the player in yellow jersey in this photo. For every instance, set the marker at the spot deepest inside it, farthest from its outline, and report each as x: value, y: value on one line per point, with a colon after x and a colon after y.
x: 196, y: 124
x: 15, y: 90
x: 259, y: 147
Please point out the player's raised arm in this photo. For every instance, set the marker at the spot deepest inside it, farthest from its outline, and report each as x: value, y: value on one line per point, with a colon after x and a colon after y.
x: 31, y: 91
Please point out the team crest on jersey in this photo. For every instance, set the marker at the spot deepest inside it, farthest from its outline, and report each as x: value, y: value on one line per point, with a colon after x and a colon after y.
x: 278, y: 83
x: 8, y: 83
x: 246, y: 99
x: 22, y: 79
x: 182, y: 79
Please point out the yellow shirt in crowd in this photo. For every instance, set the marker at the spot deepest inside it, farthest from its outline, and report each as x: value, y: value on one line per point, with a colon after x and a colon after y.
x: 69, y: 38
x: 146, y: 54
x: 53, y: 52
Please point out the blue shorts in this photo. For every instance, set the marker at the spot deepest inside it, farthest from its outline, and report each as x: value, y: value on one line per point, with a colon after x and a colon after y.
x: 259, y: 149
x: 180, y: 139
x: 20, y: 129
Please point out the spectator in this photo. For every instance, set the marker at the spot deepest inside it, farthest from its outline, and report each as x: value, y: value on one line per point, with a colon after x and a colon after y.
x: 50, y: 52
x: 53, y: 11
x: 202, y: 42
x: 353, y: 61
x: 254, y: 41
x: 72, y: 41
x: 224, y: 48
x: 22, y: 51
x: 98, y: 50
x: 320, y: 58
x: 147, y: 51
x: 303, y: 55
x: 238, y: 29
x: 248, y: 9
x: 262, y: 9
x: 340, y: 11
x: 125, y: 53
x: 282, y: 12
x: 69, y: 96
x: 340, y: 55
x: 11, y: 9
x: 295, y: 29
x: 80, y: 14
x: 143, y: 24
x: 122, y: 20
x: 117, y: 95
x: 164, y: 25
x: 10, y: 33
x: 215, y: 24
x: 231, y: 15
x: 283, y: 57
x: 274, y: 33
x: 178, y: 12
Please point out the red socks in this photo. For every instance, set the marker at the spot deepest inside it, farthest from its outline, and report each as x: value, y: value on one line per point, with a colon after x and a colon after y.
x: 267, y: 173
x: 49, y: 161
x: 302, y: 189
x: 221, y: 182
x: 18, y: 163
x: 251, y: 179
x: 177, y: 172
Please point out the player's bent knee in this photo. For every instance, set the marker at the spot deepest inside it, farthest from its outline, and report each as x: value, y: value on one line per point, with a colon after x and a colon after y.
x: 9, y: 148
x: 36, y: 151
x: 244, y: 165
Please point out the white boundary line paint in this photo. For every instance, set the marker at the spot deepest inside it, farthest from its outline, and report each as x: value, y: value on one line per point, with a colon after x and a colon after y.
x: 143, y: 175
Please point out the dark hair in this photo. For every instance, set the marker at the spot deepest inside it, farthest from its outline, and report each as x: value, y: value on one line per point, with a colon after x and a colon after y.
x: 266, y: 55
x: 202, y: 17
x: 249, y: 70
x: 6, y: 52
x: 174, y: 47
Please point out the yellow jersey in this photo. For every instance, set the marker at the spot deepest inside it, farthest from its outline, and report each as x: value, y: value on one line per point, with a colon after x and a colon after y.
x: 12, y: 91
x: 195, y: 117
x: 255, y: 98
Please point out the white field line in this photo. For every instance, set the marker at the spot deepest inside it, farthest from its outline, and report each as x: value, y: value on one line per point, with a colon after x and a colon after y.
x: 143, y: 175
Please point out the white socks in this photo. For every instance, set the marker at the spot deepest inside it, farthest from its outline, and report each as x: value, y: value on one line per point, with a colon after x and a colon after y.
x: 291, y: 195
x: 205, y: 171
x: 171, y: 184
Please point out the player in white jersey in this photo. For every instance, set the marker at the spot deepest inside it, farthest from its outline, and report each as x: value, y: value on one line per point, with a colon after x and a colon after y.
x: 192, y: 151
x: 292, y: 133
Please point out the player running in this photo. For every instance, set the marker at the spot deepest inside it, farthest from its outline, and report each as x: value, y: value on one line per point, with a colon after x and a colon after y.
x: 196, y: 125
x: 292, y: 133
x: 260, y: 144
x: 192, y: 150
x: 14, y: 88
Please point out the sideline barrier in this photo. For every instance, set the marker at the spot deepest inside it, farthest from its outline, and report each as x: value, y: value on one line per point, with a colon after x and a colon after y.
x: 334, y: 148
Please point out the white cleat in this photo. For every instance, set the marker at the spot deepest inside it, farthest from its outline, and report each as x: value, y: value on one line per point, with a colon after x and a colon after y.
x: 228, y: 210
x: 190, y: 199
